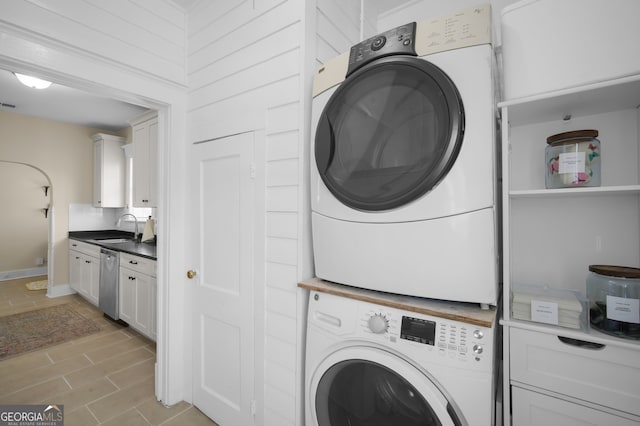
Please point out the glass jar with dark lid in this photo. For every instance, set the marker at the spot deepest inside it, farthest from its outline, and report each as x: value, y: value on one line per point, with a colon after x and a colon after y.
x: 614, y: 300
x: 572, y: 159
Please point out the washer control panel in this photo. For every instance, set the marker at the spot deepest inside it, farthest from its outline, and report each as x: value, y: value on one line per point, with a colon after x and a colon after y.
x: 397, y: 41
x: 452, y: 339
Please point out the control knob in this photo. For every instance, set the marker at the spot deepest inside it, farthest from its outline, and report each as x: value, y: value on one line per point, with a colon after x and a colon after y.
x: 378, y: 323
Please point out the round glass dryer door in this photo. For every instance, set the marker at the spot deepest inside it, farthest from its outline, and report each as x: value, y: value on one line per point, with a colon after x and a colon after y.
x: 389, y: 134
x: 384, y: 392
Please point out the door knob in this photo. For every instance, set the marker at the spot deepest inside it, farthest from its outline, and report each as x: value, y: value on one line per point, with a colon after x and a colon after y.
x: 191, y: 273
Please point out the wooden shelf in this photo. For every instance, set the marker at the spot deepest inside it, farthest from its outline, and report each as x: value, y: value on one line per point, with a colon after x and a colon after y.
x: 470, y: 313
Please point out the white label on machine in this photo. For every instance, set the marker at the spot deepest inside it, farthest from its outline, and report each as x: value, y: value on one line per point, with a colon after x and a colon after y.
x: 623, y: 309
x: 571, y: 162
x: 546, y: 312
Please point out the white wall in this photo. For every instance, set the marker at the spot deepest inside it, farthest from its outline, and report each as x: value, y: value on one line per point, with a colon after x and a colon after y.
x: 139, y: 34
x: 245, y: 66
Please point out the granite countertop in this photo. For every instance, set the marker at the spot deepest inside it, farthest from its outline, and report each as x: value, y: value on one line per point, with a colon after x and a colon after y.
x: 130, y: 246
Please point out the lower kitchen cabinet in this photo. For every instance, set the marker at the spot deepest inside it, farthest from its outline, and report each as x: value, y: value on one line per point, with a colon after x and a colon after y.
x: 84, y: 270
x: 138, y: 294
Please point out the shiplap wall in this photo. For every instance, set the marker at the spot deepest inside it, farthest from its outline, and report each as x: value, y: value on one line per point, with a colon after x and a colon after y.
x: 244, y: 69
x: 141, y: 34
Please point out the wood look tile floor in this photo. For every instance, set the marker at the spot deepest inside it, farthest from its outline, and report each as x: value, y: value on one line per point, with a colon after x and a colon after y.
x: 106, y: 378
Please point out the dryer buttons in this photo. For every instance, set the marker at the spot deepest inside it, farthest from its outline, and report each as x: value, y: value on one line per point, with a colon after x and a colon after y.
x: 378, y: 43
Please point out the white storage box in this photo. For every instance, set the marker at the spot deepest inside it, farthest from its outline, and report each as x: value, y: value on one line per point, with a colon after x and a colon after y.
x: 551, y: 45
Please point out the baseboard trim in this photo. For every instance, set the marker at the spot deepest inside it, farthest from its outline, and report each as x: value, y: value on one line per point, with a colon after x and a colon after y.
x: 22, y: 273
x: 60, y: 290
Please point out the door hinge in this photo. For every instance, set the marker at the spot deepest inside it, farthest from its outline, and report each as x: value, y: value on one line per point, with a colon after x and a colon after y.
x: 252, y: 170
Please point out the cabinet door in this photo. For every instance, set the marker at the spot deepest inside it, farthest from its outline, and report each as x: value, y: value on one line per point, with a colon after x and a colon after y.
x: 153, y: 332
x: 152, y: 159
x: 97, y: 173
x: 535, y: 409
x: 145, y: 301
x: 75, y: 269
x: 93, y: 279
x: 127, y: 295
x: 145, y: 168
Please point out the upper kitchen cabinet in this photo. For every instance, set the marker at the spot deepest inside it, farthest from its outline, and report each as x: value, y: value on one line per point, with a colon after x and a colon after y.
x: 145, y: 159
x: 109, y: 170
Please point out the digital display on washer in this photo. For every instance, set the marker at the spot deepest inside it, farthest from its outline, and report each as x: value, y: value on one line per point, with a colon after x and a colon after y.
x: 418, y: 330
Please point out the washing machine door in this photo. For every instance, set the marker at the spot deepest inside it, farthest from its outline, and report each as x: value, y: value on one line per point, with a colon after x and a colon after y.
x: 389, y: 133
x: 361, y: 386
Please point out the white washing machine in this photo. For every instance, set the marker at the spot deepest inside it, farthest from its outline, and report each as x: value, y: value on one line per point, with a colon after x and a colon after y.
x: 404, y: 164
x: 372, y: 365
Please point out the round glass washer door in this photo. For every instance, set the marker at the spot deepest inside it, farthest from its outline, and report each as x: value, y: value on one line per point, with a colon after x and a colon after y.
x: 389, y: 133
x: 379, y: 389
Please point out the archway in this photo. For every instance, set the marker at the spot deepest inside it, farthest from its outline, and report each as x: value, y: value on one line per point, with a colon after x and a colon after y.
x: 48, y: 211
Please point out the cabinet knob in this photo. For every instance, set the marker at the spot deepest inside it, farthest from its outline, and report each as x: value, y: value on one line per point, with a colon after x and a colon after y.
x: 191, y: 274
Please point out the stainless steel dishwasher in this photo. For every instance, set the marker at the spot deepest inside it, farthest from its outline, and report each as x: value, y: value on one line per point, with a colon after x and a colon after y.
x: 109, y: 271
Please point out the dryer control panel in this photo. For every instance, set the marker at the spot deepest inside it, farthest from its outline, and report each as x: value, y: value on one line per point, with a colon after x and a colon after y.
x: 397, y: 41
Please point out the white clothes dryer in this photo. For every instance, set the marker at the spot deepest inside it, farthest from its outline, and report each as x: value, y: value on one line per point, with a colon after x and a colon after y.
x: 369, y: 364
x: 404, y: 162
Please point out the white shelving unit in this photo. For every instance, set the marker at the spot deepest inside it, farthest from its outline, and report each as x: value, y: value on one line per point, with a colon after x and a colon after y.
x: 551, y: 236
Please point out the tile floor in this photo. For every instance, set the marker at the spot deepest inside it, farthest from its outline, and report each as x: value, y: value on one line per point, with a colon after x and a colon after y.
x: 106, y: 378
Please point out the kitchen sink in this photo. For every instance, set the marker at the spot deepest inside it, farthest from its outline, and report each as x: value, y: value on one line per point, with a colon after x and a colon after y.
x: 115, y: 240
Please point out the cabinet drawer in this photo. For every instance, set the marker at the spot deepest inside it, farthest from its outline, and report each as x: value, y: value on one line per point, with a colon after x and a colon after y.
x: 86, y: 248
x: 138, y: 264
x: 534, y: 409
x: 609, y: 376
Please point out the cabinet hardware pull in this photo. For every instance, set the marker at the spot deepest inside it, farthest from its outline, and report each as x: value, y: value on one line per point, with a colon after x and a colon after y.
x: 133, y: 263
x: 581, y: 343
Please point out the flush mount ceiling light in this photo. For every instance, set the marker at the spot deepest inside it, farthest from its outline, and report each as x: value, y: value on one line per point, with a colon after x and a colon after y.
x: 32, y: 82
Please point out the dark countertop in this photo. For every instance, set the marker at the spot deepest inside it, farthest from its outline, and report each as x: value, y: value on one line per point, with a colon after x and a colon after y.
x: 137, y: 248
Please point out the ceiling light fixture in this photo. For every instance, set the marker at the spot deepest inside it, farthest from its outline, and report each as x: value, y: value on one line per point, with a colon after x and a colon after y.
x: 33, y: 82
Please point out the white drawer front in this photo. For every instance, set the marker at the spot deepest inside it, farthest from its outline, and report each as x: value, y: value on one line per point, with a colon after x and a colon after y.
x: 137, y: 263
x: 86, y: 248
x: 609, y: 376
x: 534, y: 409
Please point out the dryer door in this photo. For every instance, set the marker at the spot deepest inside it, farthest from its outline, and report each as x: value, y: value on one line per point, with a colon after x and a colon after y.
x: 360, y: 386
x: 389, y: 133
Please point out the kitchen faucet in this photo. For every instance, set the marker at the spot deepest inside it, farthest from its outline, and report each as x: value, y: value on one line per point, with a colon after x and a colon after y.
x: 135, y: 233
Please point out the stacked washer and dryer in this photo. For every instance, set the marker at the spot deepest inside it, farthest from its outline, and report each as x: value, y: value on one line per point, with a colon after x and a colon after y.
x: 404, y: 172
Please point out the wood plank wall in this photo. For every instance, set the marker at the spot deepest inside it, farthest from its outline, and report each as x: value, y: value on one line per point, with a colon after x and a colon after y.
x: 147, y: 36
x: 245, y: 65
x: 244, y: 71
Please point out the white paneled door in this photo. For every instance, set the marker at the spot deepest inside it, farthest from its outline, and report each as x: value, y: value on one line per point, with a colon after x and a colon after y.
x: 223, y: 330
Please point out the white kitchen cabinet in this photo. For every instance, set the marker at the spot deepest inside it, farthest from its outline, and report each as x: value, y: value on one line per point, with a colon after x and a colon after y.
x: 109, y: 171
x: 551, y: 236
x: 84, y: 270
x: 138, y: 294
x: 145, y: 159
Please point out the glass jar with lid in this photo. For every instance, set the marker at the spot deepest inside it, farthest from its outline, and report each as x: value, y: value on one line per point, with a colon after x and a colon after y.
x: 614, y: 300
x: 572, y: 159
